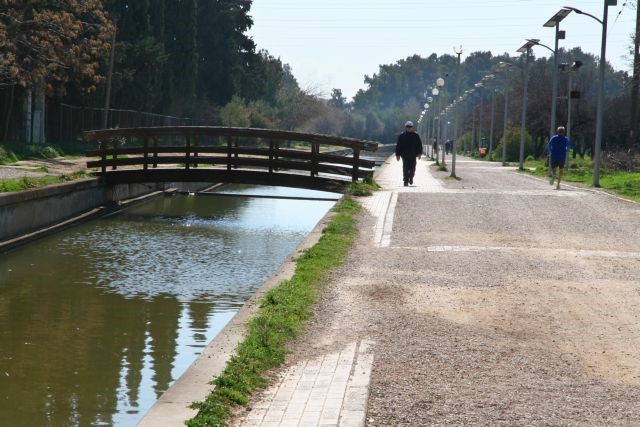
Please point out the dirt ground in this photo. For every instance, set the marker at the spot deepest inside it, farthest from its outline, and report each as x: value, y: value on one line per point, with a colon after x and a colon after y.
x: 42, y: 167
x: 499, y: 301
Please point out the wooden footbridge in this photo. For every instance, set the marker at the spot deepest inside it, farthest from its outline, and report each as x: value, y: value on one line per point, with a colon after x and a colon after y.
x: 228, y: 155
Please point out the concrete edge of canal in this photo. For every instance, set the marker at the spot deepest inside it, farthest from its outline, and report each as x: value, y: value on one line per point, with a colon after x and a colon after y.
x: 32, y: 214
x: 172, y: 408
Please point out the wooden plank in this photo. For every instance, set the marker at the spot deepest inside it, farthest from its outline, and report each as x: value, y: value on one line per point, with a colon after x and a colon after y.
x: 266, y: 152
x: 233, y: 132
x: 224, y: 176
x: 342, y: 170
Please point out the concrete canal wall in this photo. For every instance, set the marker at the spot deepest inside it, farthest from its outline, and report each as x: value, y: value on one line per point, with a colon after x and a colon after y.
x: 29, y: 214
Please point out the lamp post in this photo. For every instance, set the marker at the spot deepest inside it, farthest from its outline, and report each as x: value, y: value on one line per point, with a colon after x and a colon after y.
x: 440, y: 85
x: 526, y: 49
x: 505, y: 125
x: 560, y: 35
x: 480, y: 86
x: 435, y: 92
x: 597, y: 160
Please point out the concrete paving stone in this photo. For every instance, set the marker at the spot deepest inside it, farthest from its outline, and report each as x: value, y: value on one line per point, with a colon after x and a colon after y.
x: 310, y: 417
x: 273, y: 416
x: 288, y: 416
x: 352, y: 419
x: 333, y: 403
x: 330, y: 413
x: 328, y: 423
x: 305, y: 385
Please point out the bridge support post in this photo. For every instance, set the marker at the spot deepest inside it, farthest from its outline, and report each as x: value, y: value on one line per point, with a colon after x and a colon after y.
x: 229, y: 149
x: 115, y: 156
x: 356, y: 161
x: 271, y: 145
x: 145, y: 166
x: 187, y: 164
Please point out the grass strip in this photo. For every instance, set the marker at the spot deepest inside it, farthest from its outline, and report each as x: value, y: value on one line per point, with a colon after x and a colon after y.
x: 27, y: 183
x: 282, y: 313
x: 623, y: 184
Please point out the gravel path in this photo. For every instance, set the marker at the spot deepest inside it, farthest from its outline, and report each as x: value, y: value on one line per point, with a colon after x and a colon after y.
x: 497, y: 301
x: 29, y: 168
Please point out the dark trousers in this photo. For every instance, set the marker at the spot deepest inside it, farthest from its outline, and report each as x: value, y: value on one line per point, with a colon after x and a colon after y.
x: 408, y: 168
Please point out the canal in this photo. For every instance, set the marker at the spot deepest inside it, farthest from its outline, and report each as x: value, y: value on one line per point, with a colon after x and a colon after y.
x: 96, y: 322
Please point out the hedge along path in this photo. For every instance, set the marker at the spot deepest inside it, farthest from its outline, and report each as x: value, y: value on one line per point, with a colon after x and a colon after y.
x: 283, y: 311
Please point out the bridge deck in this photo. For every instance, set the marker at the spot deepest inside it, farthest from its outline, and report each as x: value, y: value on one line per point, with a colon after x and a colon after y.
x: 235, y: 155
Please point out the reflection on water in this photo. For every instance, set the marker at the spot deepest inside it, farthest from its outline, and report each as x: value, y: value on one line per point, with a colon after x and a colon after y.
x: 96, y: 322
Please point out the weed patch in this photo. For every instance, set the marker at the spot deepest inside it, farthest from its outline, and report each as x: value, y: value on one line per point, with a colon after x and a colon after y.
x: 26, y: 183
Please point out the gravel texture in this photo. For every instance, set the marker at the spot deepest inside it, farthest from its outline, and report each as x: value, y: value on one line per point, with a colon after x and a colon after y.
x: 536, y: 330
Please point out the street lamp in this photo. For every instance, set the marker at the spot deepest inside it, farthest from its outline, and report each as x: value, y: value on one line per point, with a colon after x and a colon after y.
x: 505, y: 66
x: 560, y: 35
x: 526, y: 49
x: 603, y: 62
x: 440, y: 85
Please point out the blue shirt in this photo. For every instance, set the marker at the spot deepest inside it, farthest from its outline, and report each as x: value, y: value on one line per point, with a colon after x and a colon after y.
x: 558, y: 147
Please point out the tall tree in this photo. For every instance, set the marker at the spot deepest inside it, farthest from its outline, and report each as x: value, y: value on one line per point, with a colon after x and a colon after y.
x: 225, y: 53
x: 181, y: 25
x: 634, y: 141
x: 51, y: 42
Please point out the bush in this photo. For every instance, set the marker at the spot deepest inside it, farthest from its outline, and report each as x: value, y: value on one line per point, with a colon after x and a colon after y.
x: 513, y: 145
x: 7, y: 156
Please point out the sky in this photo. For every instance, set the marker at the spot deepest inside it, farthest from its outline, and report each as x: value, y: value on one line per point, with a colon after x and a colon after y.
x: 335, y: 43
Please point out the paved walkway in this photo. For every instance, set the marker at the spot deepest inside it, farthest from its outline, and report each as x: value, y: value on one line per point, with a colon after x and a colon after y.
x: 493, y: 300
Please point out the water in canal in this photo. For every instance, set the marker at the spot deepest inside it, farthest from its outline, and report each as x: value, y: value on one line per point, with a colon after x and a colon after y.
x: 97, y: 321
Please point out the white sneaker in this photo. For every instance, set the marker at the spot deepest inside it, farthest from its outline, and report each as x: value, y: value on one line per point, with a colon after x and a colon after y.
x: 558, y: 186
x: 553, y: 178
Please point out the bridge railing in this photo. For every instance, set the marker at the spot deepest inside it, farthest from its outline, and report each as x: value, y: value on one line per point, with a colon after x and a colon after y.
x: 187, y: 147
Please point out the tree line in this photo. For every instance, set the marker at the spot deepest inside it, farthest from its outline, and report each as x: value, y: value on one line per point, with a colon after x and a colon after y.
x: 194, y: 58
x: 182, y: 58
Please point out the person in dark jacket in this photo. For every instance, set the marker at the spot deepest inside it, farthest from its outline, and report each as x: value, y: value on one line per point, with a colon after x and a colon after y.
x: 409, y: 148
x: 558, y: 147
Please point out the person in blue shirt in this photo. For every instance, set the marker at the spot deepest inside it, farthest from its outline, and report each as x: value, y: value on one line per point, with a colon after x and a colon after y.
x: 558, y: 147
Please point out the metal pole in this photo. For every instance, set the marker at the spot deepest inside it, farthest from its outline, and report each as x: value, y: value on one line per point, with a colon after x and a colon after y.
x: 569, y: 113
x: 554, y: 94
x: 473, y: 128
x: 445, y: 134
x: 603, y: 64
x: 504, y: 126
x: 569, y: 105
x: 480, y: 120
x: 456, y: 134
x: 493, y: 112
x: 523, y: 122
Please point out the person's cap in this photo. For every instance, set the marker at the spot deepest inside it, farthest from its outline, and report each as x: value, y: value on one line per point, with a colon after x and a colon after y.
x: 409, y: 124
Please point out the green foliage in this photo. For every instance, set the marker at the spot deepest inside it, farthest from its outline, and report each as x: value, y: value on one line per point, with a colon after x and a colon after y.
x: 282, y: 313
x: 580, y: 172
x: 7, y: 156
x: 235, y: 113
x: 513, y: 145
x: 15, y: 152
x: 27, y: 183
x: 365, y: 188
